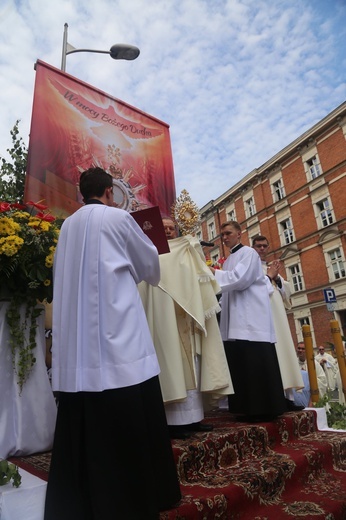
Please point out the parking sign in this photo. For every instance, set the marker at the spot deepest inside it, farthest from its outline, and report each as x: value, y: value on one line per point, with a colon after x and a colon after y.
x: 329, y: 295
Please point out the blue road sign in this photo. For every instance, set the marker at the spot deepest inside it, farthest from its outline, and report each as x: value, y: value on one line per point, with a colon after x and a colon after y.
x: 329, y: 295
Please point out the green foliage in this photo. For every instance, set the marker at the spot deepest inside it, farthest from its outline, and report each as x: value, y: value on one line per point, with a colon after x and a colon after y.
x: 12, y: 174
x: 9, y: 472
x: 336, y: 412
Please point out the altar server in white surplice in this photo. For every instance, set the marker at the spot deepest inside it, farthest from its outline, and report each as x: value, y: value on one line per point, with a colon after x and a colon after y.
x: 248, y: 332
x: 111, y: 441
x: 280, y: 301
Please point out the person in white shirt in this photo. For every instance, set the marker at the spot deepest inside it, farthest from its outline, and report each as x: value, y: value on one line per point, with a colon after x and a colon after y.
x: 111, y: 440
x: 247, y: 329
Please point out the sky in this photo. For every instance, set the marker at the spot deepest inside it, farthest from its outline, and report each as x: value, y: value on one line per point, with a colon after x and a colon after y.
x: 236, y: 80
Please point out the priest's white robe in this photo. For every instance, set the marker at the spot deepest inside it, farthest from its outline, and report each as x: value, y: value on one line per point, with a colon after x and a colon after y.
x: 101, y: 338
x: 330, y: 368
x: 181, y: 313
x: 289, y: 367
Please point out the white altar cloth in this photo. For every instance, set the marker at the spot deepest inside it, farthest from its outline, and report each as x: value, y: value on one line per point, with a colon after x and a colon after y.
x: 27, y: 421
x: 25, y: 502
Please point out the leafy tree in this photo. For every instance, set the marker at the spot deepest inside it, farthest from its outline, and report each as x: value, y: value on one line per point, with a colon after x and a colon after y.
x: 12, y: 173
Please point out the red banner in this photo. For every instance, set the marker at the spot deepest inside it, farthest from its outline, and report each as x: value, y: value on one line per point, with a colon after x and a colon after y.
x: 75, y: 126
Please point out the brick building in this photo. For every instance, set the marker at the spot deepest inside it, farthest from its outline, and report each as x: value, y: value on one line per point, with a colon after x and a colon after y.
x: 297, y: 199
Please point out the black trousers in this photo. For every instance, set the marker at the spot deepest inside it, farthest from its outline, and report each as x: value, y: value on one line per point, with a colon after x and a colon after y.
x: 112, y: 456
x: 256, y: 379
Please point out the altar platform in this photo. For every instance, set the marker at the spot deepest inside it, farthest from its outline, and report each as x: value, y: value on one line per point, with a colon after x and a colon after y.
x: 290, y: 468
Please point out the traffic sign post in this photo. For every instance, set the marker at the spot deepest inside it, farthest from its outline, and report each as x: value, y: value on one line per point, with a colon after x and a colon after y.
x: 329, y: 295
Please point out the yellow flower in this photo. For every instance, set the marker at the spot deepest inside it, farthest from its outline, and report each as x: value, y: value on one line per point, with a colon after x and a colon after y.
x: 8, y: 226
x: 34, y: 222
x: 23, y: 215
x: 49, y: 260
x: 10, y: 245
x: 44, y: 226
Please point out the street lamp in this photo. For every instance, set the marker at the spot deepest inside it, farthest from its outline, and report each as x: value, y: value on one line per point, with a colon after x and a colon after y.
x: 119, y: 51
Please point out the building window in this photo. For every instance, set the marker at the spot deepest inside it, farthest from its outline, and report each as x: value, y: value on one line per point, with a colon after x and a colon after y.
x: 211, y: 230
x: 325, y: 212
x: 250, y: 207
x: 287, y: 231
x: 278, y: 190
x: 296, y: 276
x: 199, y: 235
x: 215, y: 258
x: 231, y: 215
x: 337, y: 264
x: 304, y: 321
x: 314, y: 167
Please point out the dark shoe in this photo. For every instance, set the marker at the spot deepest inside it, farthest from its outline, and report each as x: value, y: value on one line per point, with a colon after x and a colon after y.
x: 179, y: 432
x: 292, y: 407
x: 199, y: 427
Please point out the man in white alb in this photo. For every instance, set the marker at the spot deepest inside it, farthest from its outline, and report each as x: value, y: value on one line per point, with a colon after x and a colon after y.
x: 111, y: 440
x: 280, y: 301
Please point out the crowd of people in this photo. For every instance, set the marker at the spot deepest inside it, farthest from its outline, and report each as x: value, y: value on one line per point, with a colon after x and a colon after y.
x: 143, y: 345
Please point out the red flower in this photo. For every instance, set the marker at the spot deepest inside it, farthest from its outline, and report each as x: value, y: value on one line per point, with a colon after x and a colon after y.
x: 16, y: 205
x: 37, y: 205
x: 4, y: 206
x: 45, y: 216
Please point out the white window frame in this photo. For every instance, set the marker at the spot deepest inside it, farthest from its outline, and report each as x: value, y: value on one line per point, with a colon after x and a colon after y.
x: 286, y: 231
x: 211, y: 229
x: 337, y: 264
x: 296, y: 277
x: 325, y: 212
x: 278, y: 190
x: 314, y: 167
x: 304, y: 321
x: 250, y: 207
x: 231, y: 215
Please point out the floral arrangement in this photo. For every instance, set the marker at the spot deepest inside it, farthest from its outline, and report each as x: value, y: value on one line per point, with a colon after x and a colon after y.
x: 28, y: 237
x: 217, y: 265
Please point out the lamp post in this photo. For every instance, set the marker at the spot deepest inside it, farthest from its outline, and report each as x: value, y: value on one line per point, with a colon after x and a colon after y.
x: 119, y: 51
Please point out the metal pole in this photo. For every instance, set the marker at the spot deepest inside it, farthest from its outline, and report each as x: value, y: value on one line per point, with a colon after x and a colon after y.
x: 64, y: 48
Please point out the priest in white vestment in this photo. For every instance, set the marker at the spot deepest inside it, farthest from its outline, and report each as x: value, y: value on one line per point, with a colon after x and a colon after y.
x: 329, y: 365
x: 181, y: 313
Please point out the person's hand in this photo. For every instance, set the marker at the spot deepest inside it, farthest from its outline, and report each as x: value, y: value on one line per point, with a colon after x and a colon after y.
x: 273, y: 269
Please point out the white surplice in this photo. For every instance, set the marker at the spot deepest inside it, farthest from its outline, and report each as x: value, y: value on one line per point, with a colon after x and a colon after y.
x: 244, y: 290
x: 101, y: 338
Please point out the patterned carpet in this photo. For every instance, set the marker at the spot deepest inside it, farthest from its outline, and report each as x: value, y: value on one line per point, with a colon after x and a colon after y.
x: 284, y: 469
